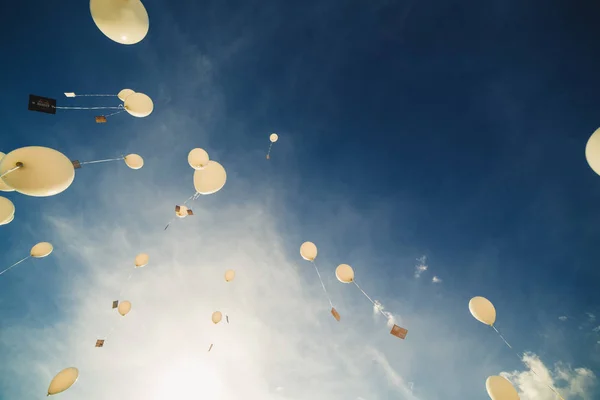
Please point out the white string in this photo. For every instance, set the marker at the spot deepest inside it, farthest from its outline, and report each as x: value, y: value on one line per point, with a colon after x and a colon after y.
x: 367, y: 296
x: 322, y: 284
x: 87, y: 108
x: 15, y: 264
x: 19, y: 165
x: 101, y: 161
x: 95, y: 95
x: 269, y: 152
x: 115, y: 113
x: 192, y: 197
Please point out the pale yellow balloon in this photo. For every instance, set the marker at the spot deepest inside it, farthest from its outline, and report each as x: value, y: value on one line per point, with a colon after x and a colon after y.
x: 229, y: 275
x: 216, y: 317
x: 134, y: 161
x: 482, y: 310
x: 124, y: 21
x: 63, y: 380
x: 198, y: 158
x: 210, y: 179
x: 273, y: 138
x: 308, y: 251
x: 124, y: 94
x: 139, y: 104
x: 182, y: 213
x: 8, y: 221
x: 344, y: 273
x: 124, y: 307
x: 3, y: 186
x: 45, y: 171
x: 500, y: 388
x: 41, y: 250
x: 7, y: 210
x: 592, y: 151
x: 141, y: 260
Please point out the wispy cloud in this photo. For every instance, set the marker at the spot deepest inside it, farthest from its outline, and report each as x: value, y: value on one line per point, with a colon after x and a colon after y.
x: 571, y: 383
x: 563, y: 318
x: 378, y: 309
x: 435, y: 279
x: 421, y: 266
x: 393, y: 377
x: 591, y: 317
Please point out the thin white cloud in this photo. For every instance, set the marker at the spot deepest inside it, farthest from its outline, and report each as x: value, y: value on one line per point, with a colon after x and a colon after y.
x: 435, y: 279
x: 563, y: 318
x: 591, y: 317
x: 379, y: 309
x: 596, y: 329
x: 421, y: 266
x: 570, y: 383
x: 393, y: 377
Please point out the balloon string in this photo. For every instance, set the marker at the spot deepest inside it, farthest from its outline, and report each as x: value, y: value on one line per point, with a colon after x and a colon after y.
x: 528, y: 366
x: 269, y: 152
x: 88, y: 108
x: 95, y: 95
x: 101, y: 161
x: 19, y: 165
x: 115, y: 113
x: 125, y: 284
x: 322, y: 284
x: 192, y: 197
x: 15, y: 264
x: 367, y: 296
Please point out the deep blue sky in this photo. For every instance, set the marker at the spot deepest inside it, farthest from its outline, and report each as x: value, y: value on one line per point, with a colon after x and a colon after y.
x: 460, y: 126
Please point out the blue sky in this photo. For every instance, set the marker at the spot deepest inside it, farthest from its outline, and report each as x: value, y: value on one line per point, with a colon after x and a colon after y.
x: 452, y: 130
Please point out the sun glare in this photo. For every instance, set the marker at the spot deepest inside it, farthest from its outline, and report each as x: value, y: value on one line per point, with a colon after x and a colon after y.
x: 188, y: 378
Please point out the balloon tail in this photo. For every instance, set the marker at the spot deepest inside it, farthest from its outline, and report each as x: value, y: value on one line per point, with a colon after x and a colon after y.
x: 16, y: 167
x: 269, y: 152
x: 528, y: 366
x: 377, y: 306
x: 322, y: 284
x: 14, y: 265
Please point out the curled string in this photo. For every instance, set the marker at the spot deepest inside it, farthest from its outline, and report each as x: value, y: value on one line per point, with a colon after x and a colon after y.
x: 87, y: 108
x: 14, y: 265
x: 528, y: 366
x: 19, y: 165
x: 322, y: 284
x: 367, y: 296
x: 101, y: 161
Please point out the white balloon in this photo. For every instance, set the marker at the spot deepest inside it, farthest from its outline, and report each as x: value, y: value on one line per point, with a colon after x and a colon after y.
x: 210, y: 179
x: 229, y: 275
x: 45, y: 171
x: 8, y: 221
x: 7, y: 210
x: 3, y: 186
x: 592, y: 151
x: 63, y: 380
x: 124, y: 94
x: 198, y: 158
x: 308, y: 251
x: 344, y: 273
x: 134, y: 161
x: 216, y: 317
x: 124, y: 21
x: 41, y: 250
x: 139, y: 104
x: 273, y: 138
x: 124, y: 307
x: 482, y: 310
x: 141, y: 260
x: 500, y: 388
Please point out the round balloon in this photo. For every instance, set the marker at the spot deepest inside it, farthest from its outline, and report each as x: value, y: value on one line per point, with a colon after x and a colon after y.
x: 182, y: 213
x: 134, y: 161
x: 592, y: 151
x: 308, y: 251
x: 41, y: 250
x: 229, y: 275
x: 7, y: 210
x: 8, y: 221
x: 124, y: 21
x: 210, y: 179
x: 344, y: 273
x: 500, y: 388
x: 198, y: 158
x: 141, y: 260
x: 273, y: 138
x: 124, y: 307
x: 483, y: 310
x: 63, y: 380
x: 138, y: 104
x: 45, y: 171
x: 216, y: 317
x: 124, y: 94
x: 3, y: 186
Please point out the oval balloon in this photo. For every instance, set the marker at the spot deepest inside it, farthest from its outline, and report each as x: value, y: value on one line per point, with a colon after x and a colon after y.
x: 7, y: 210
x: 216, y: 317
x: 3, y: 186
x: 592, y: 151
x: 124, y: 21
x: 45, y: 171
x: 134, y: 161
x: 63, y: 380
x: 41, y: 250
x: 124, y: 307
x: 344, y: 273
x: 141, y: 260
x: 500, y: 388
x: 124, y: 94
x: 182, y: 213
x: 482, y: 310
x: 139, y: 104
x: 273, y: 138
x: 308, y: 251
x: 210, y: 179
x: 229, y: 275
x: 8, y: 221
x: 198, y: 158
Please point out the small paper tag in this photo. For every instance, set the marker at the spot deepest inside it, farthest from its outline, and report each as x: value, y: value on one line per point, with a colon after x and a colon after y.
x: 100, y: 119
x: 76, y: 164
x: 335, y: 314
x: 69, y: 94
x: 177, y: 208
x: 115, y: 304
x: 399, y: 332
x: 100, y: 343
x: 190, y: 212
x: 42, y: 104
